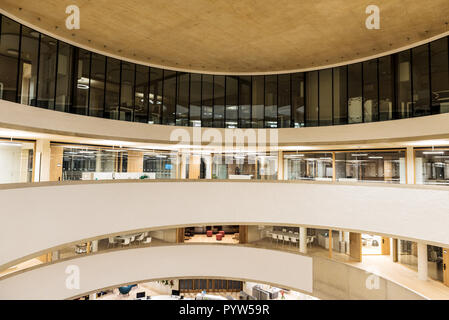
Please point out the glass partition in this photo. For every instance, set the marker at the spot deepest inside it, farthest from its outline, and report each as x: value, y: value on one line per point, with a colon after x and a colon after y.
x: 245, y: 166
x: 432, y: 166
x: 435, y: 265
x: 371, y: 166
x: 408, y: 253
x: 308, y: 166
x: 16, y: 161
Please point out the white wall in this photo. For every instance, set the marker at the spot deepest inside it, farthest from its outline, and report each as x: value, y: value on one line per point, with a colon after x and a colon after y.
x: 34, y: 219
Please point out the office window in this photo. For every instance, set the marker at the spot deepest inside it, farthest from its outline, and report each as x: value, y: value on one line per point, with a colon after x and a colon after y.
x: 386, y: 88
x: 195, y: 100
x: 439, y: 66
x: 111, y: 109
x: 219, y: 101
x: 245, y: 102
x: 308, y: 166
x: 325, y: 90
x: 156, y: 88
x: 298, y: 100
x: 271, y: 112
x: 9, y: 55
x: 28, y: 66
x: 82, y: 72
x: 312, y: 99
x: 98, y: 67
x: 403, y: 85
x: 46, y: 84
x: 127, y: 91
x: 232, y: 101
x: 432, y: 166
x: 169, y: 100
x: 207, y: 100
x: 340, y: 95
x: 421, y: 78
x: 258, y: 97
x: 141, y: 94
x: 182, y: 100
x: 370, y: 91
x: 64, y: 78
x: 284, y: 98
x: 355, y: 93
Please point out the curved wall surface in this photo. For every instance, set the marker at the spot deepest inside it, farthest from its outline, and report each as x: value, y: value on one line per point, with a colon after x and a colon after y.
x: 287, y: 270
x: 37, y: 218
x: 17, y: 116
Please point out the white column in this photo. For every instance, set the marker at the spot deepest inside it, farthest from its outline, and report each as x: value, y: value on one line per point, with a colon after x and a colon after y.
x: 42, y: 161
x: 410, y: 165
x: 303, y: 240
x: 422, y: 261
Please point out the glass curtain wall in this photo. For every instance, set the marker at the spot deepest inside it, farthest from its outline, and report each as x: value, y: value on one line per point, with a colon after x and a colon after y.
x: 244, y: 166
x: 432, y: 166
x: 38, y: 70
x: 308, y: 166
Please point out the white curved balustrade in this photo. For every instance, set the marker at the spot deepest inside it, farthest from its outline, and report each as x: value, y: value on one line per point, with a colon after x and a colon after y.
x: 44, y: 216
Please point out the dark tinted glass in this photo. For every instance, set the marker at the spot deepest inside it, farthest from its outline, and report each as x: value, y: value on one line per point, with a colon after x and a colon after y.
x: 169, y: 101
x: 195, y: 100
x: 127, y: 91
x: 219, y: 101
x: 370, y: 91
x: 421, y: 81
x: 141, y: 95
x: 98, y: 66
x: 156, y: 84
x: 355, y: 93
x: 9, y: 55
x: 403, y: 85
x: 439, y: 66
x: 182, y: 106
x: 284, y: 98
x: 271, y: 107
x: 28, y: 66
x: 245, y: 101
x: 46, y: 84
x: 207, y: 100
x: 82, y: 70
x: 298, y: 99
x: 325, y: 107
x: 258, y: 97
x: 231, y: 101
x: 386, y: 88
x: 340, y: 95
x: 112, y: 88
x: 312, y: 99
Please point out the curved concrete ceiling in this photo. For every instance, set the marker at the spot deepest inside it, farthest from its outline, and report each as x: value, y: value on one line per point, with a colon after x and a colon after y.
x: 227, y: 36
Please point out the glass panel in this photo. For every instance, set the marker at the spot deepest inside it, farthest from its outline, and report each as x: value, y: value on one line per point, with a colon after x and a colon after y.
x: 219, y: 101
x: 298, y: 99
x: 65, y: 76
x: 169, y: 101
x: 162, y: 164
x: 16, y: 161
x: 127, y: 92
x: 371, y: 166
x: 432, y: 166
x: 285, y: 108
x: 258, y: 97
x: 440, y: 75
x: 312, y: 99
x: 403, y: 85
x: 98, y: 66
x: 271, y: 114
x: 182, y: 107
x: 81, y: 99
x: 421, y: 78
x: 28, y: 66
x: 141, y: 94
x: 355, y: 93
x: 435, y: 263
x: 408, y: 253
x: 325, y: 90
x: 195, y: 100
x: 9, y: 58
x: 340, y: 95
x: 232, y: 101
x: 245, y: 101
x: 207, y: 100
x: 111, y: 108
x: 47, y: 73
x: 386, y: 88
x: 156, y: 83
x: 370, y: 91
x: 308, y: 166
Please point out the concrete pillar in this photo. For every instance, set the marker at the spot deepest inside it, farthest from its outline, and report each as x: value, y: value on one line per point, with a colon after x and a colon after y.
x: 422, y: 261
x: 42, y: 161
x: 303, y: 240
x: 410, y: 165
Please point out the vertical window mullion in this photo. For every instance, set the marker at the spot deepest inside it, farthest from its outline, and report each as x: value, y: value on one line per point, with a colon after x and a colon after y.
x: 38, y: 67
x: 18, y: 65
